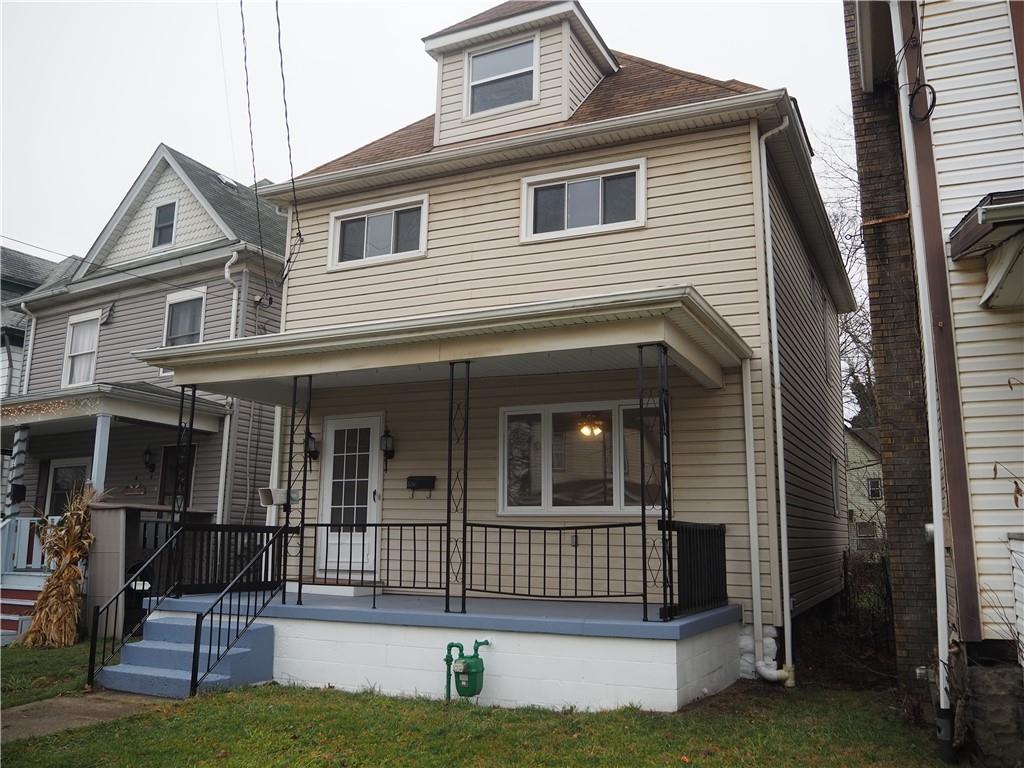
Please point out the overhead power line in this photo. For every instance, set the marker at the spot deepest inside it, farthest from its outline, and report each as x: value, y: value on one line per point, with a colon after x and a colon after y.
x: 297, y: 240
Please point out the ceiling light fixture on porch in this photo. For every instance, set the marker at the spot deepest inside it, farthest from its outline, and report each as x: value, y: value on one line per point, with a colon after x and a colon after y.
x: 590, y: 425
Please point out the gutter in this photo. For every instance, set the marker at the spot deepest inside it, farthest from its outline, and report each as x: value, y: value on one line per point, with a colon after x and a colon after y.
x: 930, y: 376
x: 224, y: 494
x: 787, y: 674
x: 26, y: 363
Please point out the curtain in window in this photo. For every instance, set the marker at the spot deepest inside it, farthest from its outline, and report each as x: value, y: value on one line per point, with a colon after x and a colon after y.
x: 82, y: 351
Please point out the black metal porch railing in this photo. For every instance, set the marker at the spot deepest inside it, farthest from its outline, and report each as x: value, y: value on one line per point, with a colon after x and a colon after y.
x: 407, y: 556
x: 700, y: 556
x: 238, y: 605
x: 572, y: 561
x: 121, y: 618
x: 212, y: 555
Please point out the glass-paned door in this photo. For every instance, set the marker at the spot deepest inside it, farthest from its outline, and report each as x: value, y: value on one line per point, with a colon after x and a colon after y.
x: 66, y: 477
x: 350, y: 495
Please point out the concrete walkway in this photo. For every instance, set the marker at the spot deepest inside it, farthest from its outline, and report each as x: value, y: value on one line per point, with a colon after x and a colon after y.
x: 65, y: 712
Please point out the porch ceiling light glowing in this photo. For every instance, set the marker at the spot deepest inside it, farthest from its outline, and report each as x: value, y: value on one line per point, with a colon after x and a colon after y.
x: 591, y: 425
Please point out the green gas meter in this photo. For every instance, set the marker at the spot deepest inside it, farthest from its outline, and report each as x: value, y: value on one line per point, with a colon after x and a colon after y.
x: 468, y: 670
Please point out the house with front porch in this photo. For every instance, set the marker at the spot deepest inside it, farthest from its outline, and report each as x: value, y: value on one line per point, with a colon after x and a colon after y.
x: 558, y: 368
x: 183, y: 259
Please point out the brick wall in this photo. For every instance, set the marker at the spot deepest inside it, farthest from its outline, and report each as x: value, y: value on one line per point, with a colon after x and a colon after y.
x: 899, y: 383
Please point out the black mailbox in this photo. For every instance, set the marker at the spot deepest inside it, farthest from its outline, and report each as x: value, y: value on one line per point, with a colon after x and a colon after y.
x: 421, y: 482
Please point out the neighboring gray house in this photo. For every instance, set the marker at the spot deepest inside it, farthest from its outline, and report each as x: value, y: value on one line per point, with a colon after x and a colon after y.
x: 180, y: 262
x: 19, y: 274
x: 865, y: 505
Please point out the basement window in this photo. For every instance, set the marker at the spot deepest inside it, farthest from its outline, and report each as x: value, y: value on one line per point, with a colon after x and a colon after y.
x: 583, y: 201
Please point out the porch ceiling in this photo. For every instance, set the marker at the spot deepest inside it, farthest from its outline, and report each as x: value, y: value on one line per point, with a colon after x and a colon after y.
x: 582, y: 334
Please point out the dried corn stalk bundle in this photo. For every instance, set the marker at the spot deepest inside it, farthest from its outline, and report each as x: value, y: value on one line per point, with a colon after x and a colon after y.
x: 65, y: 546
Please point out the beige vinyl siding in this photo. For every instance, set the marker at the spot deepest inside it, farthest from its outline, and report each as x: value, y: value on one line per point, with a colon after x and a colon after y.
x: 707, y: 455
x: 700, y: 231
x: 193, y: 224
x: 812, y: 414
x: 136, y: 322
x: 453, y: 126
x: 977, y: 126
x: 583, y: 73
x: 990, y: 352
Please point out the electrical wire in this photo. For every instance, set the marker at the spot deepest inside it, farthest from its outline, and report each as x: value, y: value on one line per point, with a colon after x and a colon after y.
x: 98, y: 267
x: 252, y: 153
x: 297, y: 240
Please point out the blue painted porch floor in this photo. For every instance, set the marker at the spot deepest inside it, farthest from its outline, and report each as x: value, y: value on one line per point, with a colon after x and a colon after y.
x: 560, y: 617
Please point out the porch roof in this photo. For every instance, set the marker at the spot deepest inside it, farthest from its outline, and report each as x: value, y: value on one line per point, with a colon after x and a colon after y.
x: 597, y: 332
x: 70, y: 410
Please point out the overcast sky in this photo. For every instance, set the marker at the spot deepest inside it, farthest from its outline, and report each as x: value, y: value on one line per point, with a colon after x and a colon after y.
x: 90, y: 89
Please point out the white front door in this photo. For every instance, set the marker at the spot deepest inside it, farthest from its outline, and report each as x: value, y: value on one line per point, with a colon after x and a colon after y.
x: 350, y: 496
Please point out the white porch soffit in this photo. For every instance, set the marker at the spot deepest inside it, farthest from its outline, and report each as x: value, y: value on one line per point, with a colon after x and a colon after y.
x: 584, y: 333
x: 71, y: 410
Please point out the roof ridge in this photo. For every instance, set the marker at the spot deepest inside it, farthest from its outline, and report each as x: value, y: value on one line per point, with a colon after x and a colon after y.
x: 692, y: 75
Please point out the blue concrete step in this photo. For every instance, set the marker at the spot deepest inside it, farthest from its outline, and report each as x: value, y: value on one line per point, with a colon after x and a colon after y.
x: 161, y: 663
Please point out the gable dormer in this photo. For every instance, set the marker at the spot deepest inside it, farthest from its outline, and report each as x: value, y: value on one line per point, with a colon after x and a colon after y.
x: 518, y: 65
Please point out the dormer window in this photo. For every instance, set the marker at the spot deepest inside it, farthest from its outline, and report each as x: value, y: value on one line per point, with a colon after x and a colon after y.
x: 502, y: 77
x: 163, y: 224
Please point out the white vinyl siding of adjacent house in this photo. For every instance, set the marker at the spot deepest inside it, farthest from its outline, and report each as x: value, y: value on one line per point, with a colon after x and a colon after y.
x: 990, y: 352
x: 812, y: 415
x: 977, y: 127
x: 192, y: 225
x: 583, y: 73
x: 452, y: 121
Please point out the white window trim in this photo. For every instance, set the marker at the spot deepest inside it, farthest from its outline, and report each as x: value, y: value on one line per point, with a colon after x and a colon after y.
x: 467, y: 80
x: 174, y: 225
x: 82, y: 317
x: 618, y: 507
x: 385, y: 206
x: 189, y: 294
x: 56, y: 464
x: 530, y: 183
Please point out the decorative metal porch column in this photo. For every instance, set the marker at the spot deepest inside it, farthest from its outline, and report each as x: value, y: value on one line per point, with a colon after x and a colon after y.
x: 298, y: 421
x: 456, y: 556
x: 183, y: 455
x: 656, y: 472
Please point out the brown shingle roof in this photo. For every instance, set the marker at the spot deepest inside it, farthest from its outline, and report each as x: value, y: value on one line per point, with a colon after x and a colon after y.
x: 498, y: 12
x: 639, y: 86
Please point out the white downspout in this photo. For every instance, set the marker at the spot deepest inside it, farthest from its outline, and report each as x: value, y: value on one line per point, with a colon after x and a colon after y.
x: 928, y: 351
x: 225, y: 492
x: 787, y: 673
x: 26, y: 364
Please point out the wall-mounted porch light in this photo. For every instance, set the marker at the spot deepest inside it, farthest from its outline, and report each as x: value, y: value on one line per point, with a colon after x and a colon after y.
x: 147, y: 462
x: 312, y: 449
x: 387, y: 447
x: 590, y: 425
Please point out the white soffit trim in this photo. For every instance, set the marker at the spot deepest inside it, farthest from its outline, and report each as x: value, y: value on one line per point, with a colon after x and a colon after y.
x: 682, y: 304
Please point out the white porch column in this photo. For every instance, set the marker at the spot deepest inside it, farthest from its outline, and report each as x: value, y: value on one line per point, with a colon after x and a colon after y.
x: 16, y: 471
x: 99, y: 451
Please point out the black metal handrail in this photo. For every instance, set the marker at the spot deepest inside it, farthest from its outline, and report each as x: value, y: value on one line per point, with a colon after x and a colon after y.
x: 404, y: 555
x: 253, y: 588
x: 212, y: 554
x: 153, y: 581
x: 571, y: 561
x: 700, y: 558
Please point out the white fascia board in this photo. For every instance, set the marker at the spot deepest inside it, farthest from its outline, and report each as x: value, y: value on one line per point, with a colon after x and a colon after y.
x: 754, y: 102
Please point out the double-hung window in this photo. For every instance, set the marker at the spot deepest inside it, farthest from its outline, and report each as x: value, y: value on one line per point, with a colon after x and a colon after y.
x: 575, y: 459
x: 80, y: 348
x: 395, y: 229
x: 183, y: 322
x: 595, y: 199
x: 163, y: 224
x: 502, y: 77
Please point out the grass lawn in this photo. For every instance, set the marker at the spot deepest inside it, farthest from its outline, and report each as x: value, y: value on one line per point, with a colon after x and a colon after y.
x: 751, y: 724
x: 31, y: 674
